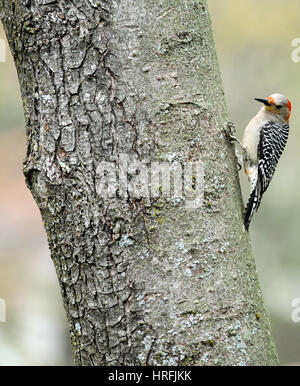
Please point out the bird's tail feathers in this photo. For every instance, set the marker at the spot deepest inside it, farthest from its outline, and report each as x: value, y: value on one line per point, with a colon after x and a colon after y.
x: 251, y: 206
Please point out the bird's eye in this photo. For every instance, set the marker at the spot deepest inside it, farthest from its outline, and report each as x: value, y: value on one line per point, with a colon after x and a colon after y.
x: 278, y: 107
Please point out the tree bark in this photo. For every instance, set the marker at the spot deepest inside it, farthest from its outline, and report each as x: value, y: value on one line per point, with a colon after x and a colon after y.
x: 145, y: 281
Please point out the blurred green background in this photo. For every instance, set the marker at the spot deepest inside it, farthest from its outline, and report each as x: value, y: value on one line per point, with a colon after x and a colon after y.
x: 253, y: 40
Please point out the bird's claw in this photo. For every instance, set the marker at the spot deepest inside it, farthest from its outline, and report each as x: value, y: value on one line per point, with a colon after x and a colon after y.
x: 230, y: 126
x: 229, y: 130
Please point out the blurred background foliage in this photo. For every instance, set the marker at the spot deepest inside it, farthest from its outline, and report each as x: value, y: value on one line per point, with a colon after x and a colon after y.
x: 253, y: 40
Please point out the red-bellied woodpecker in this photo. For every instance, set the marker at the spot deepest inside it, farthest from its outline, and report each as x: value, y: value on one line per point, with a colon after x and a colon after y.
x: 263, y: 143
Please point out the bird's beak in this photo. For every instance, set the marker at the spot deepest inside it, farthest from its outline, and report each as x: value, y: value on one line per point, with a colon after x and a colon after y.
x: 264, y: 101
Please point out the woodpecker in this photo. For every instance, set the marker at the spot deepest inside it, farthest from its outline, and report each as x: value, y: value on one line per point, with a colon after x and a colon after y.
x: 263, y: 142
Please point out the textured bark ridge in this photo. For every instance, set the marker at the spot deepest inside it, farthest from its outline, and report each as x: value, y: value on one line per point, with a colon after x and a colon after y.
x: 144, y: 281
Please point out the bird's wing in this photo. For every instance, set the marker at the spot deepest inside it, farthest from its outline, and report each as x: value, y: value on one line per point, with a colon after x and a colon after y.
x: 272, y: 141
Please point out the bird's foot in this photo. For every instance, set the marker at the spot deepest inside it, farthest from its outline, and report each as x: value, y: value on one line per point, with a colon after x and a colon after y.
x: 229, y: 131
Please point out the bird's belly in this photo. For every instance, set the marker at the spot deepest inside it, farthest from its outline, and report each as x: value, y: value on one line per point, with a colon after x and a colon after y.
x: 250, y: 143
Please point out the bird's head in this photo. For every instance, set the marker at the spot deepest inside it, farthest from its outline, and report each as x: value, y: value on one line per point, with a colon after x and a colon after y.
x: 277, y: 104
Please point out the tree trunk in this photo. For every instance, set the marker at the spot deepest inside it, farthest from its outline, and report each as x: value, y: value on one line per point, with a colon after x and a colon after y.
x: 146, y: 279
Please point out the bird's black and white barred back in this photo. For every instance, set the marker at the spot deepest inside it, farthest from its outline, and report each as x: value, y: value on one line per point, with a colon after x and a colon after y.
x: 272, y: 140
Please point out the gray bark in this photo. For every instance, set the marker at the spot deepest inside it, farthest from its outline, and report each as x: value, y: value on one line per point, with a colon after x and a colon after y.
x: 144, y: 282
